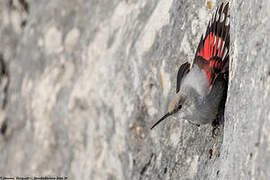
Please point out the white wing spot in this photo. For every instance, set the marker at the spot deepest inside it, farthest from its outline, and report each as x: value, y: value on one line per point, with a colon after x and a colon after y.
x: 227, y: 21
x: 223, y: 44
x: 222, y: 17
x: 219, y: 43
x: 217, y: 17
x: 226, y: 50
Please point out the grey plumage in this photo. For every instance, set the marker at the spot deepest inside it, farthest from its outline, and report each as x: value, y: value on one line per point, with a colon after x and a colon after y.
x: 200, y: 89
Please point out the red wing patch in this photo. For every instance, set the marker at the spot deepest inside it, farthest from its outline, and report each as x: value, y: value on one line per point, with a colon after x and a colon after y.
x: 213, y: 51
x: 211, y: 47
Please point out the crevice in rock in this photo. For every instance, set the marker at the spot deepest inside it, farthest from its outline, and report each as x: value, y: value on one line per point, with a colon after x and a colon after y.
x: 4, y: 80
x: 4, y: 83
x: 146, y: 166
x: 3, y: 128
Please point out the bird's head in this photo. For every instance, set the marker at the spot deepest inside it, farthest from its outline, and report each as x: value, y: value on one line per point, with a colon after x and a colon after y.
x: 175, y: 106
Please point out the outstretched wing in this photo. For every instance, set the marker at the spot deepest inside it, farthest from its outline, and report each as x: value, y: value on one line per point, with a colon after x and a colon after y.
x: 182, y: 71
x: 212, y: 54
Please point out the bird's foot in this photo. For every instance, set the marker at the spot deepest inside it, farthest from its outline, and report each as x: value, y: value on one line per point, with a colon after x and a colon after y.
x: 216, y: 125
x: 215, y: 132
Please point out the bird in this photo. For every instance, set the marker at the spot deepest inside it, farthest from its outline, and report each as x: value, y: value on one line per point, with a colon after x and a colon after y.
x: 200, y: 87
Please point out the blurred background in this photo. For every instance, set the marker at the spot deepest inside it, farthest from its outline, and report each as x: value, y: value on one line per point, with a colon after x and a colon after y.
x: 81, y: 83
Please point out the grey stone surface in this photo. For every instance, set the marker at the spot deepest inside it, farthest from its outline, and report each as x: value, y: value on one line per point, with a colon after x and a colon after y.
x: 84, y: 80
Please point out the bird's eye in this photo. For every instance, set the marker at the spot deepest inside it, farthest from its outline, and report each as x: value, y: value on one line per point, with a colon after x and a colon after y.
x: 178, y: 108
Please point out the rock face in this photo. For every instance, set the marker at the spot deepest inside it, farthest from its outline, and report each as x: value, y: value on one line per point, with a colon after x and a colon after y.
x: 83, y: 81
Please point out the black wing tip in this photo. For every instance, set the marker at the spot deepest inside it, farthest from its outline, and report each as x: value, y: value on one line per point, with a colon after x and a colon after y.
x: 213, y: 23
x: 182, y: 71
x: 219, y: 27
x: 227, y: 5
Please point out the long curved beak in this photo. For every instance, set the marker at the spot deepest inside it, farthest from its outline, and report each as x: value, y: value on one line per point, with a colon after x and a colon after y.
x: 163, y: 118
